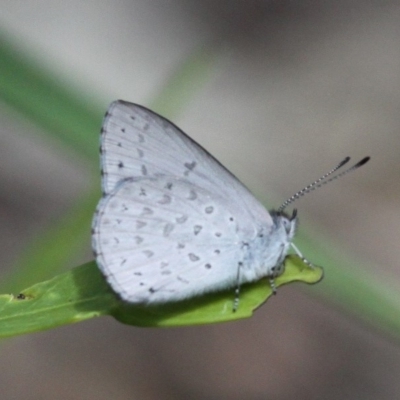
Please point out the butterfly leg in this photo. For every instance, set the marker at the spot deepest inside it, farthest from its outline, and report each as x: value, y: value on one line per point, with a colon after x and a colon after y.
x: 237, y: 289
x: 272, y: 284
x: 305, y: 261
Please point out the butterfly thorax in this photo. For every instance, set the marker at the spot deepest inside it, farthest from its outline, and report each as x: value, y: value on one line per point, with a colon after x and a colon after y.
x: 268, y: 250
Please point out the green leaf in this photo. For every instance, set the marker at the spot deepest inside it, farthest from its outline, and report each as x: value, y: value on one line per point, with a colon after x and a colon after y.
x: 217, y: 307
x: 82, y: 293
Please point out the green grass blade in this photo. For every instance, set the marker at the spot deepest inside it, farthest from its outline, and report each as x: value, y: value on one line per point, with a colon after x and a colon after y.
x: 38, y: 95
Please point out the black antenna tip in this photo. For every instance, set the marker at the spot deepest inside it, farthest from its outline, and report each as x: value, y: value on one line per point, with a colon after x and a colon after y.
x: 362, y: 162
x: 345, y: 161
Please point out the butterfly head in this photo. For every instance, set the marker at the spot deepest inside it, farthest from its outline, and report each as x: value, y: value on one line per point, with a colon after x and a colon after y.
x: 285, y: 223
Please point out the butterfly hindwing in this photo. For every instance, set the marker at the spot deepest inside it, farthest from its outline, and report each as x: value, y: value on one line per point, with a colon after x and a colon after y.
x: 159, y: 239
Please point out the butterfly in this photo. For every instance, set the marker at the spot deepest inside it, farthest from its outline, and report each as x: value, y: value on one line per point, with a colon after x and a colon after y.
x: 173, y: 223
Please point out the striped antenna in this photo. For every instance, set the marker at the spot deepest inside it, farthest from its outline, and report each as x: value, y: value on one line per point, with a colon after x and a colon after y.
x: 323, y: 181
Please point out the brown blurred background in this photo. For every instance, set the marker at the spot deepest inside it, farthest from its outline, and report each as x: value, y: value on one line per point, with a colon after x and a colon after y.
x: 299, y: 86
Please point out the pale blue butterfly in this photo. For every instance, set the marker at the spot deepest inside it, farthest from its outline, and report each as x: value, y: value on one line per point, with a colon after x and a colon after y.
x: 174, y: 223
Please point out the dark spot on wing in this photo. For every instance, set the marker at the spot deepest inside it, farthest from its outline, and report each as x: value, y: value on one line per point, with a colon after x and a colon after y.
x: 197, y: 229
x: 148, y: 253
x: 165, y: 200
x: 140, y: 224
x: 181, y: 220
x: 190, y: 166
x: 146, y: 211
x: 180, y: 279
x: 192, y: 195
x: 138, y: 239
x: 168, y: 228
x: 193, y: 257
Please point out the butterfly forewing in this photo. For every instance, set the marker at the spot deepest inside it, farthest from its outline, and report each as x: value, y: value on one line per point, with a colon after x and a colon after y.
x: 136, y: 142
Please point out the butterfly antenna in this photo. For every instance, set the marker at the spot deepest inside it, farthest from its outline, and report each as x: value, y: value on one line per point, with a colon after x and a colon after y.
x: 323, y: 180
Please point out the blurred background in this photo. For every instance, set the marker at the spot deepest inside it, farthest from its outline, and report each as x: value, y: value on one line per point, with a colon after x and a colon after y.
x: 279, y: 92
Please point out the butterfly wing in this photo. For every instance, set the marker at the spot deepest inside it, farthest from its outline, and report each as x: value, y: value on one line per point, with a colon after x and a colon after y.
x: 161, y: 239
x: 137, y: 142
x: 172, y: 220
